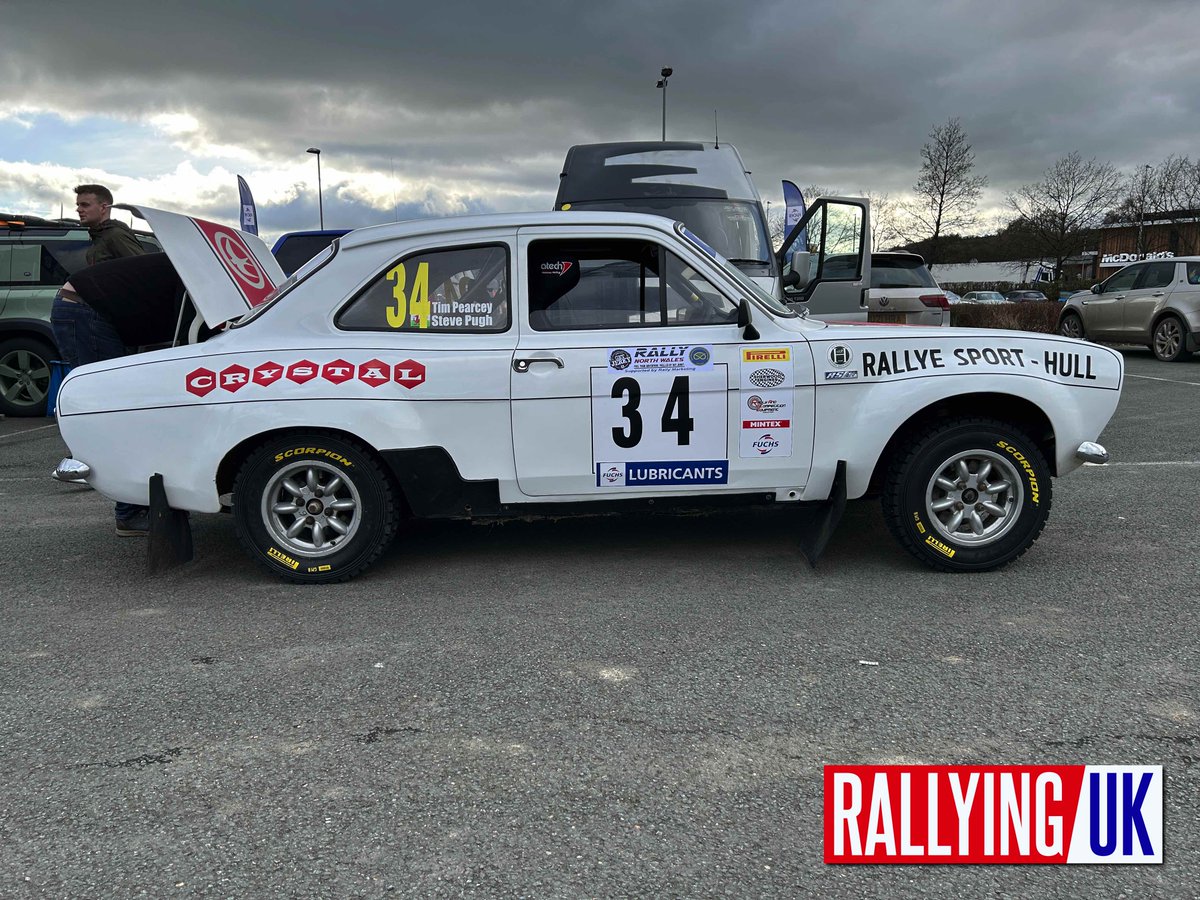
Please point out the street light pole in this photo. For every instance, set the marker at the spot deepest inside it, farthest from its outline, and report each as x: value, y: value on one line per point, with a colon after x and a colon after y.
x: 320, y: 197
x: 662, y: 84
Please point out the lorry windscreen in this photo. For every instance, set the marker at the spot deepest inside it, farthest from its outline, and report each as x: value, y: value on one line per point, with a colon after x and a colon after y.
x: 731, y: 227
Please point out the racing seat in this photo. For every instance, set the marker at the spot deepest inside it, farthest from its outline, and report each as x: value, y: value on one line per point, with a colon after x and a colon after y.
x: 551, y: 278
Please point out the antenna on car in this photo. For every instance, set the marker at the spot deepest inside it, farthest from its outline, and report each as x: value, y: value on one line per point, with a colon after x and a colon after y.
x: 716, y: 135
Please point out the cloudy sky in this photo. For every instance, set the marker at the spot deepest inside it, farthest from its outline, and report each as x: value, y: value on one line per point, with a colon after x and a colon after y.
x: 452, y: 107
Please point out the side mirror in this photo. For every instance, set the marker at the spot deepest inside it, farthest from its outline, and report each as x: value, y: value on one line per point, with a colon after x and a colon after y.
x: 797, y: 279
x: 1095, y: 288
x: 749, y: 332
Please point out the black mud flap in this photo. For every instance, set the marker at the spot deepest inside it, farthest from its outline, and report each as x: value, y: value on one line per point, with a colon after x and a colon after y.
x: 170, y: 539
x: 821, y: 519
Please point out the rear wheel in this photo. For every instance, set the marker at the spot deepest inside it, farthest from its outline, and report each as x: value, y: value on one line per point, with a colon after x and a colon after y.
x: 1071, y: 326
x: 971, y: 495
x: 24, y: 376
x: 1167, y: 341
x: 314, y: 508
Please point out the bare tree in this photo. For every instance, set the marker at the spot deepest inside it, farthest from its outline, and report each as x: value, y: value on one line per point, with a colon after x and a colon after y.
x: 885, y: 223
x: 946, y: 191
x: 1061, y: 212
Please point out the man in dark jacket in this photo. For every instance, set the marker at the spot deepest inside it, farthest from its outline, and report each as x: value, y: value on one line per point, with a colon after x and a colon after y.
x: 110, y: 239
x: 110, y: 307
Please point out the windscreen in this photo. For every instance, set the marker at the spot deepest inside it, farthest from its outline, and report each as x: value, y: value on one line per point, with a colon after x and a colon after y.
x: 899, y: 272
x: 770, y: 301
x: 731, y: 227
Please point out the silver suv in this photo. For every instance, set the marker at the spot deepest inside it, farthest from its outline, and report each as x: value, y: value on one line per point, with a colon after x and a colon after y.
x: 37, y: 256
x: 1155, y: 303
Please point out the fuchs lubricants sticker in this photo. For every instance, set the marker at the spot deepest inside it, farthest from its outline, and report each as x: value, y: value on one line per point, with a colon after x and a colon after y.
x: 662, y: 474
x: 993, y: 814
x: 669, y: 358
x: 251, y: 281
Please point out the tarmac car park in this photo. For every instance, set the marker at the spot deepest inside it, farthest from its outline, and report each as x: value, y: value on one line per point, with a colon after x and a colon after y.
x: 563, y: 362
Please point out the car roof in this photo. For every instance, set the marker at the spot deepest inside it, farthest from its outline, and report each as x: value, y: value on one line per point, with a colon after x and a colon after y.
x: 453, y: 224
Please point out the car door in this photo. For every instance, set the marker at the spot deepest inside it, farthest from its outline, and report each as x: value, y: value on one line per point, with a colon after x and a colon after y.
x: 628, y: 369
x: 6, y: 255
x: 1146, y: 298
x: 830, y: 241
x: 1104, y: 312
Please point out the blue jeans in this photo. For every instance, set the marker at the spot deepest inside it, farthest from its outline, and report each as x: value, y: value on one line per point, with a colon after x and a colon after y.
x: 84, y: 337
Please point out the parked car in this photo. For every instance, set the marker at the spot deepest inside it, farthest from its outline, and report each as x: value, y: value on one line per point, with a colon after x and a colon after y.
x: 1156, y: 304
x: 984, y: 297
x: 295, y: 248
x: 1025, y: 296
x: 952, y: 297
x: 904, y: 292
x: 37, y: 256
x: 549, y: 363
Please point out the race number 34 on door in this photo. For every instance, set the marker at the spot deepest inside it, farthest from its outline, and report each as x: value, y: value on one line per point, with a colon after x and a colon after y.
x: 660, y: 417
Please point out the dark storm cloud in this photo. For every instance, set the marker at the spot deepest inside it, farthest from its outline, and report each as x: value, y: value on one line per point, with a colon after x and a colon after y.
x: 491, y: 94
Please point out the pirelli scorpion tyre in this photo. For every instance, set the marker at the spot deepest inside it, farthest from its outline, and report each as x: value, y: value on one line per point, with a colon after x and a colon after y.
x: 314, y: 508
x: 968, y: 496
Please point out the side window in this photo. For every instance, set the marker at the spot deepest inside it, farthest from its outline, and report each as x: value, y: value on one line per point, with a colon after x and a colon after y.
x: 1159, y: 274
x: 617, y: 284
x: 59, y: 259
x: 1193, y: 273
x: 833, y: 237
x: 1123, y: 280
x: 464, y: 290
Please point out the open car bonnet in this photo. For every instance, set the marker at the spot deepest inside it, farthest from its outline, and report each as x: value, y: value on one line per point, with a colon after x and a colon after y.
x: 227, y: 272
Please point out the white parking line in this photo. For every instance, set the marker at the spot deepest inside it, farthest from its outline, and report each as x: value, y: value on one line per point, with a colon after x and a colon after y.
x: 27, y: 431
x: 1172, y: 380
x: 1171, y: 462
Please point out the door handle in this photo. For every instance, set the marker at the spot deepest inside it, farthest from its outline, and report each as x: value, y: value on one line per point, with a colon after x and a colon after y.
x: 1158, y: 293
x: 1119, y: 297
x: 522, y: 364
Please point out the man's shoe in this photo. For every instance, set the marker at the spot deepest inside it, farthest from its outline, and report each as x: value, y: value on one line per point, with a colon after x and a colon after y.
x: 137, y: 525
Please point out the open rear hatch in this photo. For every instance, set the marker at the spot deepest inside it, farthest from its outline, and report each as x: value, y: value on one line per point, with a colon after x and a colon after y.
x: 226, y: 272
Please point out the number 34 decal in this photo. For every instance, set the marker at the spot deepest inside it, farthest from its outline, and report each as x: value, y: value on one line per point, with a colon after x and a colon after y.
x: 675, y: 416
x: 659, y: 415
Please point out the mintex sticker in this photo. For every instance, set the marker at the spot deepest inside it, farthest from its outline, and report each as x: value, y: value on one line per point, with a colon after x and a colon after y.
x: 671, y: 358
x: 662, y: 474
x: 766, y: 398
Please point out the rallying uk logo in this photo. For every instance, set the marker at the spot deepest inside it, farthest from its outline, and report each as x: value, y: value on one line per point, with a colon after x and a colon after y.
x: 993, y: 814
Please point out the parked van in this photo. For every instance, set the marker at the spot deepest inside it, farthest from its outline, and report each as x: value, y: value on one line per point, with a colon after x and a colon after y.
x: 708, y: 188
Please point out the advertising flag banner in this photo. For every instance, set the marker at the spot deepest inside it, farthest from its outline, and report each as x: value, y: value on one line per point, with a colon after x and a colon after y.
x: 249, y: 213
x: 793, y: 201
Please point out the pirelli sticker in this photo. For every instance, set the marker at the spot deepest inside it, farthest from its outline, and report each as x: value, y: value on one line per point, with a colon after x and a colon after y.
x: 766, y: 398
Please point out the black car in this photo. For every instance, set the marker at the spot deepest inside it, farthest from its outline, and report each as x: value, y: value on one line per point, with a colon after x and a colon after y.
x: 1024, y: 296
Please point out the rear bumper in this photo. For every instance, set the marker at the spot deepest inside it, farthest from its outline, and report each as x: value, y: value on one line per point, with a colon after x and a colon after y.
x: 1091, y: 452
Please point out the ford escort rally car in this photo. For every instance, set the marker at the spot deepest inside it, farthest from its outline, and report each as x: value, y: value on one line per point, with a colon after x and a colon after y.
x: 566, y: 362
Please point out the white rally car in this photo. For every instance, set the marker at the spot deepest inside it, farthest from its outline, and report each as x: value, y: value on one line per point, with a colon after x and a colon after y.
x: 548, y: 363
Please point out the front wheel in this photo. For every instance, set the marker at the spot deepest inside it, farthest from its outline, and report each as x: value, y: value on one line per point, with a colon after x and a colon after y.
x: 314, y: 508
x: 970, y: 495
x: 1167, y: 342
x: 1071, y: 326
